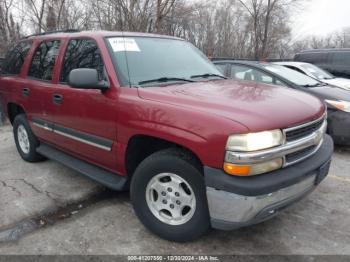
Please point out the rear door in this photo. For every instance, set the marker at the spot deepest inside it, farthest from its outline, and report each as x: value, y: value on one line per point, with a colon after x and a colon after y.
x: 85, y: 120
x: 11, y: 77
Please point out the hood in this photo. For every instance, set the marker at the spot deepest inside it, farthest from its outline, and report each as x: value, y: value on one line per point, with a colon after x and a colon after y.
x: 330, y: 92
x: 256, y: 106
x: 339, y: 82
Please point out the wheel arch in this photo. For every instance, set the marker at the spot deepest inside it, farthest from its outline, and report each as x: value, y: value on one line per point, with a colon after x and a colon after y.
x: 140, y: 146
x: 14, y: 109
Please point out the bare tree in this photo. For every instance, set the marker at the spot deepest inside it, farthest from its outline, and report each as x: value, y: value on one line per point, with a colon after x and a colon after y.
x: 35, y: 11
x: 163, y: 8
x: 9, y: 28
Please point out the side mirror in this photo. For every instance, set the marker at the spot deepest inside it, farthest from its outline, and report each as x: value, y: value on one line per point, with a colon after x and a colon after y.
x: 86, y: 78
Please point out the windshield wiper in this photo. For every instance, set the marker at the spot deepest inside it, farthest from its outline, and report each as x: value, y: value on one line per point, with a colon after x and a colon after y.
x: 165, y: 79
x: 208, y: 75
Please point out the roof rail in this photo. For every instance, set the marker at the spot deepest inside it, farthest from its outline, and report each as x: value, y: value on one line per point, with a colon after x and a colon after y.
x: 54, y: 32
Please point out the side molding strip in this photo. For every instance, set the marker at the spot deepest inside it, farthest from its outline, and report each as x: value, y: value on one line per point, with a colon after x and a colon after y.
x: 101, y: 143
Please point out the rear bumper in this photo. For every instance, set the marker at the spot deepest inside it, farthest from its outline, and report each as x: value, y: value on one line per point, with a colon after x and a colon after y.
x: 339, y: 126
x: 240, y: 201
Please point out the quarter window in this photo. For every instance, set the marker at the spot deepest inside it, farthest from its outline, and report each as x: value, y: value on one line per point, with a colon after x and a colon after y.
x: 44, y: 59
x: 15, y: 58
x: 82, y: 53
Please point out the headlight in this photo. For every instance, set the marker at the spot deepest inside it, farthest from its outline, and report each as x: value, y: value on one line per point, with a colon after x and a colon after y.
x: 341, y: 105
x: 254, y: 141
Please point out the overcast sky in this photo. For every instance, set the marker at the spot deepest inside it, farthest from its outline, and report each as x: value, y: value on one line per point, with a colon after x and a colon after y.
x: 321, y: 17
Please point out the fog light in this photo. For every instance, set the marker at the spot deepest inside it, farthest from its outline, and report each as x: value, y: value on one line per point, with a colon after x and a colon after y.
x: 253, y: 169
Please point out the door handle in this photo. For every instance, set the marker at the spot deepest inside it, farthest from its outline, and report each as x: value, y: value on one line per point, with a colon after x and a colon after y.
x: 25, y: 92
x: 57, y: 99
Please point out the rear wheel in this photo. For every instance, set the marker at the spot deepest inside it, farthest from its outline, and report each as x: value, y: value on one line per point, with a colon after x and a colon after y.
x: 25, y: 140
x: 169, y: 196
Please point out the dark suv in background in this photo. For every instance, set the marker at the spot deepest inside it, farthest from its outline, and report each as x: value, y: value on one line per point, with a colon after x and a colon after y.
x: 336, y: 61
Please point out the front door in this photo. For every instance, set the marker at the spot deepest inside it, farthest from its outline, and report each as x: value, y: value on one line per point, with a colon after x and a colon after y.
x: 85, y: 120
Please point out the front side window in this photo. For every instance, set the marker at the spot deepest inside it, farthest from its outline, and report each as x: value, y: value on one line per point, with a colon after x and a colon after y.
x: 82, y: 53
x: 44, y: 59
x: 15, y: 58
x: 247, y: 73
x: 139, y: 60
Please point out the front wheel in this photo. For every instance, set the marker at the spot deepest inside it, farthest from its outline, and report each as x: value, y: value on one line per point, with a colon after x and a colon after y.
x: 169, y: 196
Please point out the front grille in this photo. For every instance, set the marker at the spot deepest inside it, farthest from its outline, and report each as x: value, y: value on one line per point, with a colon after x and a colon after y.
x: 300, y: 132
x: 303, y: 131
x: 296, y: 156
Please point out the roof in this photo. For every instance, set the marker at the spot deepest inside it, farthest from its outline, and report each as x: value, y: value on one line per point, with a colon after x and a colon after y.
x: 70, y: 33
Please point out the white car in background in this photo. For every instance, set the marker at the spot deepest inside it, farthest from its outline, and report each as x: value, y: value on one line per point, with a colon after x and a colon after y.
x: 317, y: 73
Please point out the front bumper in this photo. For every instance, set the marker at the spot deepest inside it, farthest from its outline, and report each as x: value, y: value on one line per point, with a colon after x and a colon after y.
x: 339, y: 126
x: 240, y: 201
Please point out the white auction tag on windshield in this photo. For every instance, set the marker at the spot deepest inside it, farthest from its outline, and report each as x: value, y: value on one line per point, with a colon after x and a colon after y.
x: 120, y: 44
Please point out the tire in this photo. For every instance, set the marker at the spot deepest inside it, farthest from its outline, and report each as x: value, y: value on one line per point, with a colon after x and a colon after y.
x: 21, y: 126
x: 194, y: 221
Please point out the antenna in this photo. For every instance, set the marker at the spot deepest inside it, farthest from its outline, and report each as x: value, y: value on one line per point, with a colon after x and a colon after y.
x: 126, y: 59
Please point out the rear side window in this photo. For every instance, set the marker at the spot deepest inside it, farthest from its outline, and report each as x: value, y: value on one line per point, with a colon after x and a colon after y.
x: 82, y: 53
x: 15, y: 58
x: 44, y: 60
x: 341, y: 58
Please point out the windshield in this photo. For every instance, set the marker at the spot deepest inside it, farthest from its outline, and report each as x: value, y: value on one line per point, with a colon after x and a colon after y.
x: 292, y: 75
x: 148, y: 61
x: 316, y: 72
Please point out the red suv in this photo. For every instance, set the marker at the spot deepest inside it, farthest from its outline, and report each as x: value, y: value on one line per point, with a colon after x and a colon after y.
x: 152, y: 114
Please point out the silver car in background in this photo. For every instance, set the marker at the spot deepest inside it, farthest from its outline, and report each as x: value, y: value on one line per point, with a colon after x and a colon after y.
x: 317, y: 73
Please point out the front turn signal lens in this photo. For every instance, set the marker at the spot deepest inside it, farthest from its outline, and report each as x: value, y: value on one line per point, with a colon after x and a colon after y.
x: 236, y: 170
x: 253, y: 169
